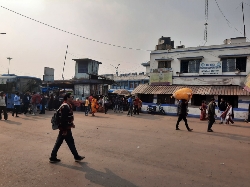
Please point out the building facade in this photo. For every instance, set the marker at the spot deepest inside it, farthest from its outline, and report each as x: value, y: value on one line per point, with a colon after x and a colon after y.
x: 217, y: 71
x: 127, y: 81
x: 86, y: 80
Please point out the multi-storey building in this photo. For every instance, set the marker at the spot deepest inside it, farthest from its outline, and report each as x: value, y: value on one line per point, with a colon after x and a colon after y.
x: 217, y: 71
x: 86, y: 80
x: 129, y: 81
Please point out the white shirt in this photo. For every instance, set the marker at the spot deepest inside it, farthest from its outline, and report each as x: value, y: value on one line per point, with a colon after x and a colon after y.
x: 2, y: 101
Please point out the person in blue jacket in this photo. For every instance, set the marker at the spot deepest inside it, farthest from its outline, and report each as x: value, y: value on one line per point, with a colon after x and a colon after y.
x: 17, y: 102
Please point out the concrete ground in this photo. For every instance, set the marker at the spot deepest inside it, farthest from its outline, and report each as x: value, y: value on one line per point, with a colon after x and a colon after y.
x: 122, y: 151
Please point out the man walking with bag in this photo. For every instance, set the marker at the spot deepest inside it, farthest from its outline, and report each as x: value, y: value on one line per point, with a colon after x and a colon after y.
x: 65, y: 125
x: 182, y: 113
x: 211, y: 115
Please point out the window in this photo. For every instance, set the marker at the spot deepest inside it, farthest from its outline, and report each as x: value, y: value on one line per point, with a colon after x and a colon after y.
x: 122, y: 84
x: 136, y: 84
x: 231, y: 64
x: 165, y: 99
x: 126, y: 84
x: 147, y: 98
x: 82, y: 67
x: 131, y: 85
x: 190, y: 66
x: 164, y: 64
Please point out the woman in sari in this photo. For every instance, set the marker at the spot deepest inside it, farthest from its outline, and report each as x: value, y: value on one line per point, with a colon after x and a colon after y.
x: 94, y: 106
x: 230, y: 114
x: 203, y: 109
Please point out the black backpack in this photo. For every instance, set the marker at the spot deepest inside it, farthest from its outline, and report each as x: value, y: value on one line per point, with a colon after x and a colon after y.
x: 56, y: 118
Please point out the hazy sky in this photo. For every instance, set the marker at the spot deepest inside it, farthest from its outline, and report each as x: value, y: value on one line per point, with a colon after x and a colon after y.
x: 129, y: 23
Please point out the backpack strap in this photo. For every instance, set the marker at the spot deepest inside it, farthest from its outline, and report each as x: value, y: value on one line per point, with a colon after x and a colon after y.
x: 64, y: 104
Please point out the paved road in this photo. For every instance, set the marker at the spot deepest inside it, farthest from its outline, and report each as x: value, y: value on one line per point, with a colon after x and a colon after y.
x: 122, y: 151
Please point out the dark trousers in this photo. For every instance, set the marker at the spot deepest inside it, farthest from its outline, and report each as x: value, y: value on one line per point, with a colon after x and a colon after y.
x: 16, y: 110
x: 69, y: 140
x: 86, y: 110
x: 3, y: 108
x: 43, y: 110
x: 182, y: 117
x: 25, y: 107
x: 106, y: 107
x: 211, y: 121
x: 136, y: 109
x: 130, y: 110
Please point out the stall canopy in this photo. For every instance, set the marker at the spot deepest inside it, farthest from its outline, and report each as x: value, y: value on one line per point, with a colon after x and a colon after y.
x: 200, y: 90
x: 122, y: 92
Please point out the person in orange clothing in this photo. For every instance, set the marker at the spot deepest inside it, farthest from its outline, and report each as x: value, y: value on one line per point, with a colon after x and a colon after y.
x: 94, y: 106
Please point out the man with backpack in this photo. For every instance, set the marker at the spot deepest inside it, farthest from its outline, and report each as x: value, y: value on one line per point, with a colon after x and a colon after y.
x: 66, y: 119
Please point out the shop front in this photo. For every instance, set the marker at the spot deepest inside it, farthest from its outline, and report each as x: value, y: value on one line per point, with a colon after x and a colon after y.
x: 155, y: 95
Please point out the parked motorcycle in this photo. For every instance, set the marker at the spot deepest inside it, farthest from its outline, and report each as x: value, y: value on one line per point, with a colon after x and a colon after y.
x: 161, y: 110
x: 151, y: 109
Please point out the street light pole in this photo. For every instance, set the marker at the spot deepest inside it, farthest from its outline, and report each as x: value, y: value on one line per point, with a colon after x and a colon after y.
x: 116, y: 72
x: 9, y: 64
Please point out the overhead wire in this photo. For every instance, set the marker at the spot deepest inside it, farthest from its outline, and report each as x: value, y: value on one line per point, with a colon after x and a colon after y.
x: 90, y: 39
x: 246, y: 3
x: 228, y: 22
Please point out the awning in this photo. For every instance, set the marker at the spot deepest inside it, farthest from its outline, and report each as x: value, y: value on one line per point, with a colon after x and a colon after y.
x: 236, y: 55
x: 200, y: 90
x: 164, y: 59
x: 191, y: 58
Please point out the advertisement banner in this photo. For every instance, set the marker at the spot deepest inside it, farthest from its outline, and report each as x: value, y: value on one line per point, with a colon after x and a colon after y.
x: 210, y: 68
x: 162, y: 78
x: 247, y: 83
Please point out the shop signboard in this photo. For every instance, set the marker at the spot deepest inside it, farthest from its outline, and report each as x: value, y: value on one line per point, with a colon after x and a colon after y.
x: 247, y: 83
x: 161, y: 78
x: 210, y: 68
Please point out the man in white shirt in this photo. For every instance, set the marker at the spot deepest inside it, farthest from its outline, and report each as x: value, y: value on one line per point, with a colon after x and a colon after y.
x: 16, y: 105
x: 3, y: 103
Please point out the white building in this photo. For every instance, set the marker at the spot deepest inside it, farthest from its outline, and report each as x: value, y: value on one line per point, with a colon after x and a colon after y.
x: 129, y: 81
x: 217, y: 71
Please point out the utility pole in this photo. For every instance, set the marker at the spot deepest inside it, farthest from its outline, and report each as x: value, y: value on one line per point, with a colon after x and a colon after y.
x: 9, y: 64
x: 244, y: 27
x: 116, y: 72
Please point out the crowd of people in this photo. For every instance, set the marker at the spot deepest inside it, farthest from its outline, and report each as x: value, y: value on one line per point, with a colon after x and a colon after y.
x: 92, y: 104
x: 225, y: 111
x: 117, y: 103
x: 207, y: 113
x: 31, y: 102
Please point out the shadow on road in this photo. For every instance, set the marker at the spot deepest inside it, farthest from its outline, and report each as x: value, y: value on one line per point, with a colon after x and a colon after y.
x: 12, y: 122
x: 226, y: 135
x: 106, y: 179
x: 96, y: 116
x: 240, y: 126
